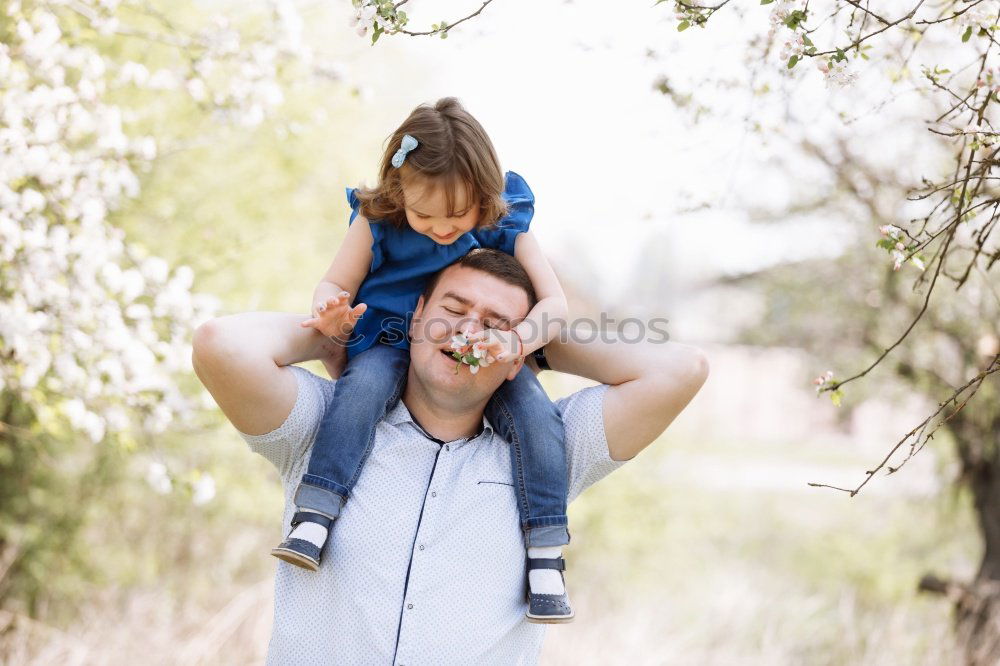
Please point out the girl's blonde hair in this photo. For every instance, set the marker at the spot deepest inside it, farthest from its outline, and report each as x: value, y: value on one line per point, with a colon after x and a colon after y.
x: 453, y: 152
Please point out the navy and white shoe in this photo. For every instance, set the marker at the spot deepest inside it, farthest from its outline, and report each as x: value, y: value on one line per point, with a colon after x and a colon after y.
x: 300, y: 552
x: 549, y: 608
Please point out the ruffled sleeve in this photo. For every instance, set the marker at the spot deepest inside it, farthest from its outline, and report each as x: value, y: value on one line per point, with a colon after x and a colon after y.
x: 377, y: 228
x: 520, y: 209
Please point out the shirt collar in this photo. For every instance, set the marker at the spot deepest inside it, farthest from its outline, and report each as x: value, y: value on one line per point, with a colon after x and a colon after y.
x: 399, y: 415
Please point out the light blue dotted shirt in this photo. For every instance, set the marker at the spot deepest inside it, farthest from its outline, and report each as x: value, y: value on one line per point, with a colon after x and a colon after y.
x: 425, y: 564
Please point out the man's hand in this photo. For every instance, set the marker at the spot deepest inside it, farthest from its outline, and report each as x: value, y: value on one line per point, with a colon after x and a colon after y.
x: 335, y: 318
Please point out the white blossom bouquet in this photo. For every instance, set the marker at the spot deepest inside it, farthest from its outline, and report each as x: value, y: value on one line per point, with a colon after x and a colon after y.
x: 473, y: 354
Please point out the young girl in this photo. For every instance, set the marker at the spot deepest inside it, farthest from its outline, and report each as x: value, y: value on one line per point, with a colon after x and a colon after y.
x: 441, y: 193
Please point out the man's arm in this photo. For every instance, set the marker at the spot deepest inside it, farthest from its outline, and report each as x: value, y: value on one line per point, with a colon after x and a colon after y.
x: 241, y: 360
x: 650, y: 383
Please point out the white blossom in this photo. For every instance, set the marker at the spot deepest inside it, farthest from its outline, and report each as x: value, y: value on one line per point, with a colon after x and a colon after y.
x: 76, y: 326
x: 782, y: 9
x: 794, y: 46
x: 204, y: 490
x: 163, y: 79
x: 890, y: 230
x: 197, y: 89
x: 982, y: 15
x: 897, y: 259
x: 837, y: 73
x: 95, y: 330
x: 158, y: 479
x: 133, y: 72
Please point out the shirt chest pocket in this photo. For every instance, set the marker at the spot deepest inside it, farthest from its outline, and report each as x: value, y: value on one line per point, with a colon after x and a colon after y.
x: 495, y: 493
x: 493, y: 500
x: 495, y: 482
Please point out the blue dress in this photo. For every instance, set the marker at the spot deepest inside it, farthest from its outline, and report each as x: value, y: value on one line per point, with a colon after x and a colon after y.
x: 403, y: 261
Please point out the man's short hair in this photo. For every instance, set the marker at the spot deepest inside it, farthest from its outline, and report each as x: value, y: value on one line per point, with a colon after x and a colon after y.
x: 494, y: 262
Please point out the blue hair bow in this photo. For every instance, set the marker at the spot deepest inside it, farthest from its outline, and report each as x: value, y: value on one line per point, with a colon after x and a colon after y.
x: 408, y: 144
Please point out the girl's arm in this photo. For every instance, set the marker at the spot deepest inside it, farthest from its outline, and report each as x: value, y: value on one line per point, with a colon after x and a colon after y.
x: 349, y: 267
x: 548, y: 317
x: 332, y: 314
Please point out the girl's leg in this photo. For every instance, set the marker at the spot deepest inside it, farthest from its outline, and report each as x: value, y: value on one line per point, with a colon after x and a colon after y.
x: 368, y: 388
x: 523, y: 414
x: 372, y: 382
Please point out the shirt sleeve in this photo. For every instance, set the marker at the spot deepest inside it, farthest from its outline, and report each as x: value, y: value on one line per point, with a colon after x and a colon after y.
x: 520, y: 209
x: 287, y: 444
x: 377, y: 229
x: 587, y: 453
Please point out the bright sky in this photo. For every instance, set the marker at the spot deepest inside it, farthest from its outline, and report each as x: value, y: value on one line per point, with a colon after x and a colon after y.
x: 565, y: 90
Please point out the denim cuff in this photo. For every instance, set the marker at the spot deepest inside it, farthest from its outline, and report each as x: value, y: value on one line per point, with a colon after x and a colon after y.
x: 321, y: 500
x: 553, y: 535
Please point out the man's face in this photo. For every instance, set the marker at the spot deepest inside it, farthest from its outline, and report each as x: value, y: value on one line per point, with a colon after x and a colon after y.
x: 465, y: 300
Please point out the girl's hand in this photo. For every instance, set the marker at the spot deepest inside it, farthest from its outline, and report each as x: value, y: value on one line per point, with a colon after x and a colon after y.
x: 503, y: 346
x: 335, y: 318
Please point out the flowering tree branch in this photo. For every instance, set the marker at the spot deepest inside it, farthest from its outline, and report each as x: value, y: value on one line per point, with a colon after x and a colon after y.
x: 443, y: 27
x: 94, y: 328
x: 383, y: 17
x: 924, y: 431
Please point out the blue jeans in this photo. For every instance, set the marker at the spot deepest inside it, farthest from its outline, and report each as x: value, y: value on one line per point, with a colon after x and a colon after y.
x: 520, y: 411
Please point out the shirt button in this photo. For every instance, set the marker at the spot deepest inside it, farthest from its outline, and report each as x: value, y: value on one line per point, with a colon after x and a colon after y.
x: 447, y: 448
x: 409, y: 606
x: 433, y: 494
x: 421, y: 546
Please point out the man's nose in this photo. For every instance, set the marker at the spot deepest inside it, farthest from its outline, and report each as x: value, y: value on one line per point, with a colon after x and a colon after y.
x: 470, y: 326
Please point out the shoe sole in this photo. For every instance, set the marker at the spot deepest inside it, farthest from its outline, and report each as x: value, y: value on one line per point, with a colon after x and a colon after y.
x: 298, y: 559
x: 549, y: 619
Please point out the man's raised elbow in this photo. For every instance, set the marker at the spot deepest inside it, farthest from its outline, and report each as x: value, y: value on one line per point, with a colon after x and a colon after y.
x: 699, y: 368
x: 207, y: 344
x: 201, y: 341
x: 683, y: 374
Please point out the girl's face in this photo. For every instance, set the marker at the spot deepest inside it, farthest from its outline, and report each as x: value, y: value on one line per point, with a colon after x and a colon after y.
x: 427, y: 212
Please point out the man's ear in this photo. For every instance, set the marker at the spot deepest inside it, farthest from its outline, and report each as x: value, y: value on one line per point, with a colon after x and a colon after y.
x: 417, y: 311
x: 514, y: 369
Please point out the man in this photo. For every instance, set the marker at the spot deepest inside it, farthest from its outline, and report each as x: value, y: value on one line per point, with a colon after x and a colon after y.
x: 425, y: 565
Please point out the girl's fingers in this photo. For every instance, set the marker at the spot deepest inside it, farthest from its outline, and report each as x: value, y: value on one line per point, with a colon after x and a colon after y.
x: 336, y: 300
x: 336, y: 310
x: 359, y: 310
x: 333, y: 300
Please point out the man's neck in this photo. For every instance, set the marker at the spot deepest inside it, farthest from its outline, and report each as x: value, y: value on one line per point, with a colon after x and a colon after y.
x: 444, y: 422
